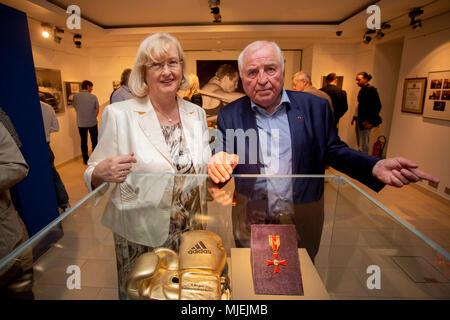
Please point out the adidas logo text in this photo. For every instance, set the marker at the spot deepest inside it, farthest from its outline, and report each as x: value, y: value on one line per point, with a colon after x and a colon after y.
x: 199, y: 248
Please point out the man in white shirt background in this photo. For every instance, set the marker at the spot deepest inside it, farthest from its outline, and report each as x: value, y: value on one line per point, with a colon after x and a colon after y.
x: 87, y: 107
x: 51, y: 125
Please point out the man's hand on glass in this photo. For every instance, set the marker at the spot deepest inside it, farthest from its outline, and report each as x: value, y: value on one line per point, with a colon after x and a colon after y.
x: 221, y: 166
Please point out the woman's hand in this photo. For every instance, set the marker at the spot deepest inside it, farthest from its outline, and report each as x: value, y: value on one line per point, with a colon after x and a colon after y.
x: 114, y: 169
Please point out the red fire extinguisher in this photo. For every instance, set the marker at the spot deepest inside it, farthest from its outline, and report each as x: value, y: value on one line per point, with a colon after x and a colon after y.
x: 378, y: 146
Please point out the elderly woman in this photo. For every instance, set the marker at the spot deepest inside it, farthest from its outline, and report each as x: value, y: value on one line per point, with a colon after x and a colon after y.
x: 155, y: 132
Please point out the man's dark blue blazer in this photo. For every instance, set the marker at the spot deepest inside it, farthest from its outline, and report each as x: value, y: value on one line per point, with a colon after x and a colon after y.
x: 314, y: 144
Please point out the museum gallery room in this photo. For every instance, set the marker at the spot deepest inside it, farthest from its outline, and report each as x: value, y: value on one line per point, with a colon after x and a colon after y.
x: 354, y: 206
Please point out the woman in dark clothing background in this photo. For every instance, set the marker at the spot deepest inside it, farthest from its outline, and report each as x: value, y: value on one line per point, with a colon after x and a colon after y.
x: 369, y: 107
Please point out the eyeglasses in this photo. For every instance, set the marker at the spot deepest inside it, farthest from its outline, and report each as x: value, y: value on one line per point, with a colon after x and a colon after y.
x: 172, y: 64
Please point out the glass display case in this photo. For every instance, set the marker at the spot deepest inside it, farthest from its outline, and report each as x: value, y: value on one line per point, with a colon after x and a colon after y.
x: 349, y: 245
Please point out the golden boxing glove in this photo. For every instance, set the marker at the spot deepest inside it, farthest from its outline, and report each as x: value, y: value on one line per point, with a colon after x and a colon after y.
x: 154, y: 276
x: 202, y: 259
x: 195, y: 275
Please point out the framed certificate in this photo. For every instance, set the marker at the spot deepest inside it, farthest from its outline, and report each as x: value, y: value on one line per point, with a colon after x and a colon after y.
x: 413, y: 95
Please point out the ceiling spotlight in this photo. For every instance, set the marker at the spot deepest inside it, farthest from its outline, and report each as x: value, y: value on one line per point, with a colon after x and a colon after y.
x: 379, y: 34
x: 46, y: 30
x: 415, y: 13
x: 366, y: 37
x: 415, y: 23
x: 56, y: 34
x: 215, y: 10
x: 77, y: 40
x: 385, y: 25
x: 58, y: 30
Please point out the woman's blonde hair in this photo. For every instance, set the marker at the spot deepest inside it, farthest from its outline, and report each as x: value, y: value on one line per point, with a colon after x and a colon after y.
x: 154, y: 48
x: 194, y: 86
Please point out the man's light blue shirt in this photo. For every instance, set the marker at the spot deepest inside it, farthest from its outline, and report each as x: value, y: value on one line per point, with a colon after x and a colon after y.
x: 275, y: 154
x: 121, y: 94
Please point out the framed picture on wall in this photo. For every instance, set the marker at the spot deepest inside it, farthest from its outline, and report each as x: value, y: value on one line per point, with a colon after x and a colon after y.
x: 220, y: 84
x: 50, y: 88
x: 437, y: 97
x: 71, y: 89
x: 413, y: 95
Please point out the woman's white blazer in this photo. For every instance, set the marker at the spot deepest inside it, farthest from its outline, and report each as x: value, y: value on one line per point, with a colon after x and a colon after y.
x: 139, y: 208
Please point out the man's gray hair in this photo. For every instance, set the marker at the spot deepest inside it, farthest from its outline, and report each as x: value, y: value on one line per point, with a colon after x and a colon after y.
x: 256, y: 45
x: 302, y: 75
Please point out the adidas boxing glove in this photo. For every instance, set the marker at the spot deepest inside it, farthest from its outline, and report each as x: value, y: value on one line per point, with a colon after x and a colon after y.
x: 202, y: 259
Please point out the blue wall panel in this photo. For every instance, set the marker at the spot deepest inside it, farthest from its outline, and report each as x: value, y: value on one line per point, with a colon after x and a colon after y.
x: 34, y: 197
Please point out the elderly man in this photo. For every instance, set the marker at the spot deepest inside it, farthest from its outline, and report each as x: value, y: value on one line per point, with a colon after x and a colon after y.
x: 302, y: 124
x: 301, y: 81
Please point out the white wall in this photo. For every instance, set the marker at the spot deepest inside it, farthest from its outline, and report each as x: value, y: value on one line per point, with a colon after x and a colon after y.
x: 386, y: 67
x: 107, y: 64
x: 340, y: 59
x: 425, y: 141
x: 382, y: 61
x: 292, y: 64
x: 103, y: 66
x: 307, y: 60
x: 74, y: 66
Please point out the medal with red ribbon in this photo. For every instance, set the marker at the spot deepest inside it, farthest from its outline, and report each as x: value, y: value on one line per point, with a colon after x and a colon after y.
x: 274, y: 242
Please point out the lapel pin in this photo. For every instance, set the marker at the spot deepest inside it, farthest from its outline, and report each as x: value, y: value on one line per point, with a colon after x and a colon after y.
x: 299, y: 117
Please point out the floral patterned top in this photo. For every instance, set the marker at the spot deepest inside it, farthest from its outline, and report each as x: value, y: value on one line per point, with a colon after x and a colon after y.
x: 186, y: 197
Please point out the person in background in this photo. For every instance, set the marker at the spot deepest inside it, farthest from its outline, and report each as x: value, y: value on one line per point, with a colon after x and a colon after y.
x: 87, y: 107
x: 338, y: 97
x: 51, y: 125
x: 155, y: 132
x: 124, y: 92
x: 367, y: 114
x: 192, y: 94
x: 16, y: 278
x: 301, y: 81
